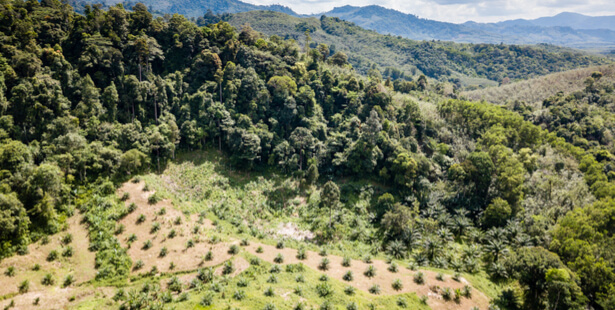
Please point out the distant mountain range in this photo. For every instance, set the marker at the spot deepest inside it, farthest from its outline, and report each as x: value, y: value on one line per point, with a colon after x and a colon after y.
x: 565, y: 29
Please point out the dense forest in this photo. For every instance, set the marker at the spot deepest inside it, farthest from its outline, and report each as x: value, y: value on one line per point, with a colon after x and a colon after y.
x: 525, y: 197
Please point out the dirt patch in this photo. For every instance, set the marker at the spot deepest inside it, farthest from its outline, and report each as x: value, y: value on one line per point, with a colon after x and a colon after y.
x: 183, y: 256
x: 383, y: 277
x: 80, y: 265
x: 290, y: 230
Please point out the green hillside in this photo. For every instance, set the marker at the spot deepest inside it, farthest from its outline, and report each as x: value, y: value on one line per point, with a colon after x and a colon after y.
x: 149, y: 163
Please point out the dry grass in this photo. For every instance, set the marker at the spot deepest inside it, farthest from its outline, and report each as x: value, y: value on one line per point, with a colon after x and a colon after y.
x: 536, y: 90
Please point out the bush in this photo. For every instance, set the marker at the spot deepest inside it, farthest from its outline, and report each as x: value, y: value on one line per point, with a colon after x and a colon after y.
x: 24, y: 287
x: 155, y: 228
x: 68, y: 251
x: 324, y: 264
x: 352, y: 306
x: 162, y: 211
x: 299, y: 306
x: 178, y: 220
x: 119, y: 230
x: 209, y: 255
x: 349, y: 290
x: 458, y: 295
x: 205, y: 275
x: 370, y: 272
x: 393, y: 267
x: 120, y: 294
x: 280, y: 244
x: 348, y: 276
x: 68, y: 238
x: 301, y: 254
x: 397, y: 285
x: 36, y: 267
x: 269, y: 292
x: 125, y: 196
x: 132, y: 207
x: 300, y: 278
x: 207, y: 300
x: 375, y: 289
x: 138, y: 265
x: 175, y: 285
x: 10, y: 271
x: 402, y: 303
x: 172, y: 234
x: 272, y: 279
x: 324, y: 289
x: 244, y: 242
x: 154, y: 199
x: 259, y: 249
x: 298, y: 291
x: 48, y: 280
x: 278, y: 259
x: 466, y: 291
x: 419, y: 278
x: 147, y: 245
x: 171, y: 265
x: 53, y: 255
x: 132, y: 238
x: 446, y: 293
x: 346, y: 261
x: 141, y: 218
x: 255, y: 261
x: 233, y: 250
x: 324, y: 278
x: 190, y: 244
x: 242, y: 282
x: 440, y: 277
x: 228, y: 268
x: 323, y: 252
x: 166, y: 297
x: 326, y: 305
x: 457, y: 277
x: 275, y: 269
x: 239, y: 295
x: 412, y: 266
x: 163, y: 252
x: 270, y: 306
x: 70, y: 279
x: 45, y: 240
x: 367, y: 259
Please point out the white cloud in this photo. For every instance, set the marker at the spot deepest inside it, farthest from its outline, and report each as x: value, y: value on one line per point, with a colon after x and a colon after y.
x: 461, y: 10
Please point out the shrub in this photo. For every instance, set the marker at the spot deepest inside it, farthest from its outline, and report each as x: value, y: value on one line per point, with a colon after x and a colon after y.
x: 346, y: 261
x: 324, y: 264
x: 402, y: 303
x: 457, y: 277
x: 466, y: 291
x: 120, y: 294
x: 446, y: 293
x: 234, y: 249
x: 70, y: 279
x: 132, y: 238
x: 397, y: 285
x: 352, y: 306
x: 163, y: 252
x: 171, y: 266
x: 228, y: 268
x: 207, y: 300
x: 162, y: 211
x: 255, y: 261
x: 458, y: 294
x: 349, y: 290
x: 178, y: 220
x: 367, y: 259
x: 272, y: 279
x: 120, y: 229
x: 53, y: 255
x: 242, y: 282
x: 412, y: 266
x: 190, y: 244
x: 323, y: 252
x: 370, y: 272
x: 269, y: 292
x: 24, y: 287
x: 299, y: 306
x: 393, y: 267
x: 324, y: 278
x: 239, y: 295
x: 45, y: 240
x: 259, y: 249
x: 348, y: 276
x: 155, y: 227
x: 10, y: 271
x: 175, y: 285
x: 275, y: 269
x: 205, y: 274
x: 48, y: 280
x: 68, y: 238
x: 125, y: 196
x: 36, y: 301
x: 36, y: 267
x: 209, y: 255
x: 172, y: 234
x: 147, y: 245
x: 324, y: 289
x: 154, y: 270
x: 154, y: 199
x: 280, y: 244
x: 278, y: 258
x: 375, y: 289
x: 132, y: 207
x: 166, y: 297
x: 68, y: 251
x: 298, y: 291
x: 300, y: 278
x: 326, y: 305
x: 301, y: 254
x: 440, y: 277
x: 138, y: 265
x: 244, y: 242
x: 270, y: 306
x: 419, y: 278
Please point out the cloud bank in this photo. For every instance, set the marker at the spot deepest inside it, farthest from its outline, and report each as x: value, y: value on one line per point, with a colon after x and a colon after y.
x: 459, y: 11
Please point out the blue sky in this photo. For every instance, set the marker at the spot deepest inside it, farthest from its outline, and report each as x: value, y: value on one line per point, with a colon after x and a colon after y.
x: 462, y: 10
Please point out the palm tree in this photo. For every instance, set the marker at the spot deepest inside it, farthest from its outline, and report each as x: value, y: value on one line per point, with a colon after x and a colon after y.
x: 432, y: 247
x: 495, y: 248
x: 397, y: 249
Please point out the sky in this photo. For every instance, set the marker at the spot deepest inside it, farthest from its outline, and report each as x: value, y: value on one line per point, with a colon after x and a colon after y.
x: 458, y: 11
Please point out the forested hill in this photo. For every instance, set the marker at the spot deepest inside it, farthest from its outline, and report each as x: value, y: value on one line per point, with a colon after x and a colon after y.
x: 372, y: 168
x: 468, y: 63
